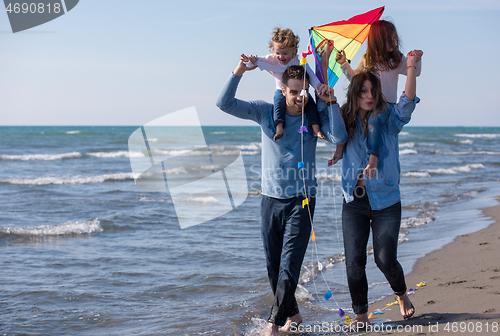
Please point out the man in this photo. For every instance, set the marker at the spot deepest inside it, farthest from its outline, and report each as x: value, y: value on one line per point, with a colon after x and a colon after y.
x: 286, y: 188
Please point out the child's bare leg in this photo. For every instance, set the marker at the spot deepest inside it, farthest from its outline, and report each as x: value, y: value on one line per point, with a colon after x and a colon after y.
x: 317, y: 131
x: 371, y: 168
x: 279, y: 131
x: 339, y: 153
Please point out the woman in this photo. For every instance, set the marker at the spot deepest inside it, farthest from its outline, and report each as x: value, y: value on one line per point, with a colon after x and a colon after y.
x: 374, y: 202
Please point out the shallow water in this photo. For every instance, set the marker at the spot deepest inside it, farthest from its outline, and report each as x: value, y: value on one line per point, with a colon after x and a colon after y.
x: 84, y: 251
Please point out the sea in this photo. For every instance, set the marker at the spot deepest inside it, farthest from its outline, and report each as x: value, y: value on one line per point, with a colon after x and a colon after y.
x: 86, y: 251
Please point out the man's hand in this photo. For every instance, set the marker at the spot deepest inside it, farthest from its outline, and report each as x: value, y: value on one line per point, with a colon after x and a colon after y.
x: 325, y: 93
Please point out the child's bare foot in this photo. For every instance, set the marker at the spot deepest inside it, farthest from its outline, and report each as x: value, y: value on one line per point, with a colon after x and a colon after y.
x: 371, y: 168
x: 279, y: 132
x: 406, y: 307
x: 270, y: 330
x: 320, y: 135
x: 339, y: 153
x: 360, y: 323
x: 294, y: 321
x: 317, y: 131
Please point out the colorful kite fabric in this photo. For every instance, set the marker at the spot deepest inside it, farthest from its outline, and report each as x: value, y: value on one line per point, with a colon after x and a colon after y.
x: 346, y: 35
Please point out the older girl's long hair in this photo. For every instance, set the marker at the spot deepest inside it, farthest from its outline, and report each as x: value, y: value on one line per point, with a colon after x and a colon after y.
x: 382, y: 51
x: 350, y: 110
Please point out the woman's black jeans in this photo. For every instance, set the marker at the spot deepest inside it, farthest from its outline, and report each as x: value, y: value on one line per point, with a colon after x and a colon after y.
x: 357, y: 218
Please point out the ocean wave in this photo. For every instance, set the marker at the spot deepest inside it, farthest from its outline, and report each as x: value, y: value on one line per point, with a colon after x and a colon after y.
x: 43, y: 157
x: 484, y: 135
x: 404, y: 133
x: 454, y: 170
x: 323, y: 177
x: 466, y: 153
x: 80, y: 227
x: 218, y: 132
x: 73, y: 132
x: 117, y: 154
x: 407, y: 151
x: 466, y: 142
x: 68, y: 179
x: 407, y: 145
x: 419, y: 220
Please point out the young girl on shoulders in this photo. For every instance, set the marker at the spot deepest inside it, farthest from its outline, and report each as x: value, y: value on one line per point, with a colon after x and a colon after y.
x: 284, y: 46
x: 383, y: 58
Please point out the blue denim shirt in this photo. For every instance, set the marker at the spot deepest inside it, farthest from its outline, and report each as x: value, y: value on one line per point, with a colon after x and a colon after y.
x: 280, y: 159
x: 383, y: 188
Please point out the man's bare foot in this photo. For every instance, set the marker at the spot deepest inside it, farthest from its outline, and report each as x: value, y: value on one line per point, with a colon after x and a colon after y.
x: 360, y: 323
x: 294, y: 321
x: 279, y: 132
x: 270, y: 330
x: 406, y: 307
x: 371, y: 168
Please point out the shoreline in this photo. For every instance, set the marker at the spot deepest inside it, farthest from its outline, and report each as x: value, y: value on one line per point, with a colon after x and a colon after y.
x: 462, y: 288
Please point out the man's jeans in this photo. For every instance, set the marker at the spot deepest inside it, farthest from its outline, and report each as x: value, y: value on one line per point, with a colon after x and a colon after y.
x: 286, y: 228
x: 357, y: 218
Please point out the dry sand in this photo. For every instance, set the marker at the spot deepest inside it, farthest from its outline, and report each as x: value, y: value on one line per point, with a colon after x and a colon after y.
x: 462, y: 291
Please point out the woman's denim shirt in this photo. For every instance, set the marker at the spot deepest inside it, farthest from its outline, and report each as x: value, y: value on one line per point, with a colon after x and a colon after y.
x: 383, y: 188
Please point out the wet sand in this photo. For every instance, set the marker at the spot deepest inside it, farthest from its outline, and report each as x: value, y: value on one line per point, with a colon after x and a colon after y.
x: 462, y: 291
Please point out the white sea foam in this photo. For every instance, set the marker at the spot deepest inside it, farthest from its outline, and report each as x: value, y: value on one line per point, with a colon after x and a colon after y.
x: 254, y: 146
x: 407, y: 151
x: 219, y: 132
x: 418, y: 220
x: 467, y: 153
x: 321, y: 177
x: 117, y: 154
x: 404, y: 133
x: 321, y: 144
x: 43, y: 157
x: 484, y: 135
x: 80, y: 227
x: 72, y: 132
x: 77, y: 179
x: 454, y: 170
x: 416, y: 174
x: 407, y: 145
x: 466, y: 142
x: 203, y: 200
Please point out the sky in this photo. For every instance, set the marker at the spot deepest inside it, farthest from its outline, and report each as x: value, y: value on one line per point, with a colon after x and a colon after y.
x: 123, y: 62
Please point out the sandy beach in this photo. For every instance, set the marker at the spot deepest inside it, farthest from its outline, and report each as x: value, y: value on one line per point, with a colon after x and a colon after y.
x: 461, y: 295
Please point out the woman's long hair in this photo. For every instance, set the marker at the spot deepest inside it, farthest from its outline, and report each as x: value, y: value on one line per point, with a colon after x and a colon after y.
x: 350, y: 110
x: 382, y: 51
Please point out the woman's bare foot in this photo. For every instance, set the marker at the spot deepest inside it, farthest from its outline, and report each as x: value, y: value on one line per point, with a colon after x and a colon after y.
x: 360, y: 323
x: 279, y: 132
x: 270, y: 330
x: 371, y: 168
x: 294, y: 321
x: 406, y: 307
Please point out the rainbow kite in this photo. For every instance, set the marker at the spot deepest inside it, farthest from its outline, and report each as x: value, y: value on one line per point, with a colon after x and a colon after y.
x: 346, y: 35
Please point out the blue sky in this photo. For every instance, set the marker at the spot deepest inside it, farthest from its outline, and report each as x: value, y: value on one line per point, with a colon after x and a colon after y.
x: 120, y: 62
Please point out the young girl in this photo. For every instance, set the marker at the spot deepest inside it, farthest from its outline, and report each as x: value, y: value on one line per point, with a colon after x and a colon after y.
x: 284, y: 46
x: 384, y: 58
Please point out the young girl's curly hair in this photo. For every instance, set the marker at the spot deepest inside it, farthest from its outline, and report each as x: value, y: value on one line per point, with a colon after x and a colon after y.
x: 286, y: 37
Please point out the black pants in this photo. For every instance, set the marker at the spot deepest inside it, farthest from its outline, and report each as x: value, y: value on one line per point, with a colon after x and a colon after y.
x: 286, y: 229
x: 357, y: 219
